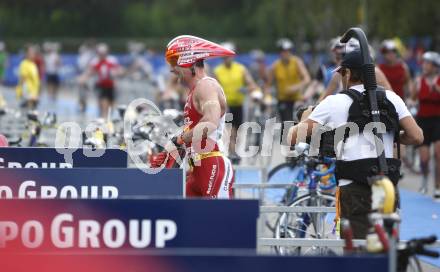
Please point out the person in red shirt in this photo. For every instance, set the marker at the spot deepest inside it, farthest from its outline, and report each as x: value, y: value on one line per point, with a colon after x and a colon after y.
x: 395, y: 69
x: 427, y: 91
x: 210, y: 173
x: 106, y: 68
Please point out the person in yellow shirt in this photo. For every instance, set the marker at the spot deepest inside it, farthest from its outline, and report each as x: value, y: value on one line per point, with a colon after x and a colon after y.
x: 235, y: 80
x: 291, y: 78
x: 28, y: 87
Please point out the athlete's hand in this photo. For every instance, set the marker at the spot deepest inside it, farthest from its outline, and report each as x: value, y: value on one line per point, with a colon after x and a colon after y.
x: 172, y: 147
x: 157, y: 160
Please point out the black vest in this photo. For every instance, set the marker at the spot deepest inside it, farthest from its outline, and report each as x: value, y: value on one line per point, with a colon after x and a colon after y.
x: 360, y: 114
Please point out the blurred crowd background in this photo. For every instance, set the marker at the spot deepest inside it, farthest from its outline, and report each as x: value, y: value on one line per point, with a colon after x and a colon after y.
x: 75, y: 26
x: 65, y: 38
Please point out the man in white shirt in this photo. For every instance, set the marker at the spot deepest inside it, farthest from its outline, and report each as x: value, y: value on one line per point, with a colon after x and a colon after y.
x: 333, y: 112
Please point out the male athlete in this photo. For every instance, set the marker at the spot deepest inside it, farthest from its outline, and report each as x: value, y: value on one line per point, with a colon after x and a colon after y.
x: 211, y: 172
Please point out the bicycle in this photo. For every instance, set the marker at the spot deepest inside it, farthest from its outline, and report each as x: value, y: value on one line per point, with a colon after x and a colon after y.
x: 35, y: 127
x: 314, y: 182
x: 12, y: 125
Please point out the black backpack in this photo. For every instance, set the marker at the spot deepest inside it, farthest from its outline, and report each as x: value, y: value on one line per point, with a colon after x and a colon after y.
x: 360, y: 113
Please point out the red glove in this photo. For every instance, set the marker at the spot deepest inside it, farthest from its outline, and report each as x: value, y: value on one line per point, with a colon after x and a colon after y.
x: 157, y: 160
x: 3, y: 141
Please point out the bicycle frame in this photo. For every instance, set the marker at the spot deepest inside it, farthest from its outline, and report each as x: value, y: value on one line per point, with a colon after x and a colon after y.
x: 313, y: 177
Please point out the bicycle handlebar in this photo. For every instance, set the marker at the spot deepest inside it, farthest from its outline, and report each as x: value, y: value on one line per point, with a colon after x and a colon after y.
x: 429, y: 253
x: 417, y: 246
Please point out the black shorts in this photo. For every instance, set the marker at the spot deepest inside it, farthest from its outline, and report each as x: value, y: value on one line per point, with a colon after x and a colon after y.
x: 237, y: 116
x: 53, y: 79
x: 431, y: 129
x: 285, y: 109
x: 106, y: 93
x: 355, y: 203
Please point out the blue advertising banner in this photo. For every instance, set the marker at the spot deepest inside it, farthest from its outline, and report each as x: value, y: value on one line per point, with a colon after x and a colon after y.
x: 39, y: 225
x: 83, y: 183
x: 189, y: 262
x: 45, y: 157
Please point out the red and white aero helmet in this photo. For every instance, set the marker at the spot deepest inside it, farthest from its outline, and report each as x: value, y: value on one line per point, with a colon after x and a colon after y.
x: 186, y: 50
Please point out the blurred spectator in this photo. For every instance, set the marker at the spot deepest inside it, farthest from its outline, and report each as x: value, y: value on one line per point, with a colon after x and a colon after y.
x: 325, y: 71
x: 427, y: 91
x: 106, y: 68
x: 86, y: 53
x: 258, y: 68
x: 395, y: 69
x: 291, y: 79
x: 52, y: 61
x: 236, y: 81
x: 334, y: 85
x: 138, y: 67
x: 28, y: 87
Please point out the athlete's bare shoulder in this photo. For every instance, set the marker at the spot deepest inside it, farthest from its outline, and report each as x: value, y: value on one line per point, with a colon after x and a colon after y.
x: 208, y: 89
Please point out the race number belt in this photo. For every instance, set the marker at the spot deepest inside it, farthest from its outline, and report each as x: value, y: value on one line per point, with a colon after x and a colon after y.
x: 198, y: 157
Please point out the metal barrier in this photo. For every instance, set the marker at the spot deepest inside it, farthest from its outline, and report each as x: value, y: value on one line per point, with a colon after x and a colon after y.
x: 263, y: 185
x: 308, y: 242
x: 287, y: 209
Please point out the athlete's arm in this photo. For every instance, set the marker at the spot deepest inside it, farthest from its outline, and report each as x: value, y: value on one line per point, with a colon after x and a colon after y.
x: 412, y: 133
x: 303, y: 129
x: 305, y: 77
x: 206, y: 100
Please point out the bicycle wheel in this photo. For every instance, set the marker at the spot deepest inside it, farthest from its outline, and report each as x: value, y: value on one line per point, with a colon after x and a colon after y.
x: 285, y: 173
x: 279, y: 167
x: 306, y: 225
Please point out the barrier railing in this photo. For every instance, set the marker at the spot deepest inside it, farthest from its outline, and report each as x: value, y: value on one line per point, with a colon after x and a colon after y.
x: 309, y: 242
